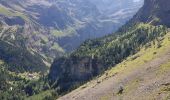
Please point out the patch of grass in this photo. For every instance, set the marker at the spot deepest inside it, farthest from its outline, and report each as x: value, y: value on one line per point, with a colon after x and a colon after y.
x: 69, y: 31
x: 106, y: 97
x: 8, y: 12
x: 166, y: 89
x: 1, y: 62
x: 35, y: 32
x: 22, y: 16
x: 57, y: 47
x: 57, y: 33
x: 44, y: 38
x: 164, y: 68
x: 168, y: 97
x: 5, y: 11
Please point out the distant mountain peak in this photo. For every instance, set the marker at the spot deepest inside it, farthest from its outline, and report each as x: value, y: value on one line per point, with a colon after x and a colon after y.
x: 41, y: 2
x: 155, y: 12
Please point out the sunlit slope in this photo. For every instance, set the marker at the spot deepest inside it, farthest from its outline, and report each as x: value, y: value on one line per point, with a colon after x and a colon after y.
x: 142, y: 76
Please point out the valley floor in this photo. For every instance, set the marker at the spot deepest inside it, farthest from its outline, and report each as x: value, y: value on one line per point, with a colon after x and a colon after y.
x: 143, y: 76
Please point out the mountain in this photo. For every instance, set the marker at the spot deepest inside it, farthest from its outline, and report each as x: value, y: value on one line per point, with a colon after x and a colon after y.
x: 47, y: 29
x: 143, y: 75
x: 131, y: 63
x: 33, y: 33
x: 14, y: 53
x: 53, y: 27
x: 95, y: 56
x: 155, y: 12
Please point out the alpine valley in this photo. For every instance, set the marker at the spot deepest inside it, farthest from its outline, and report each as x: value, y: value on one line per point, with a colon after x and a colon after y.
x: 84, y: 49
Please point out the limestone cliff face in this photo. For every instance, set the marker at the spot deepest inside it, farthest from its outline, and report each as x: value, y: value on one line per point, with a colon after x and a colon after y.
x: 70, y: 71
x: 155, y: 12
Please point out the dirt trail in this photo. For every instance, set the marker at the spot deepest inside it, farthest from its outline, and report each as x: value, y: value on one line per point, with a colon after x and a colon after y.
x: 142, y: 83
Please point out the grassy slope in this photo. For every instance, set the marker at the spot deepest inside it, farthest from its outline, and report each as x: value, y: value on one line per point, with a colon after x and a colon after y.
x: 143, y: 56
x: 9, y: 12
x: 137, y: 61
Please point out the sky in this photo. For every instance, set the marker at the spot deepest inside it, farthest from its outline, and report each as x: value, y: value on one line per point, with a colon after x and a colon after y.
x: 136, y: 0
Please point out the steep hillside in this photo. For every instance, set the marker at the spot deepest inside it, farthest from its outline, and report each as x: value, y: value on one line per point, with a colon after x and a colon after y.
x: 19, y: 86
x: 93, y: 57
x: 143, y: 76
x: 21, y: 60
x: 15, y: 54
